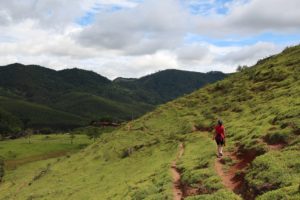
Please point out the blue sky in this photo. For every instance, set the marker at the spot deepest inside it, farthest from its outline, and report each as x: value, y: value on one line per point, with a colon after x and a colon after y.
x: 203, y: 7
x: 131, y: 38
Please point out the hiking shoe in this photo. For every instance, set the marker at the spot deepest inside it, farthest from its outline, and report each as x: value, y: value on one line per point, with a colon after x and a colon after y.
x: 220, y: 154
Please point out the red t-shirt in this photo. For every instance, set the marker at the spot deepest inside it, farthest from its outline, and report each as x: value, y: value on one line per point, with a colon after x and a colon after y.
x: 220, y: 131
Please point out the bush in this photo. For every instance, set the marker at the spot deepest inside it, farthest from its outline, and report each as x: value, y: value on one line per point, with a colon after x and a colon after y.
x: 273, y: 171
x: 276, y: 137
x: 291, y: 192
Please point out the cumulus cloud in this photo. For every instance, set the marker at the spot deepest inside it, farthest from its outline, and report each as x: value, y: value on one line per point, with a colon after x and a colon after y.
x: 132, y: 38
x: 249, y: 54
x: 150, y: 26
x: 52, y: 13
x: 253, y: 17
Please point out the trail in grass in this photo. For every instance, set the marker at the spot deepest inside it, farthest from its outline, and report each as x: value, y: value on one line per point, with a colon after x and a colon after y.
x: 177, y: 190
x: 229, y: 176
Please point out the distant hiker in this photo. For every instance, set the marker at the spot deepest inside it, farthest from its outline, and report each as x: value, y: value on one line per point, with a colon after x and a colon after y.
x: 220, y: 137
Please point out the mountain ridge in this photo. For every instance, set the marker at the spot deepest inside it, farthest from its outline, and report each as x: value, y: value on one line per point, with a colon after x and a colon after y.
x: 84, y: 93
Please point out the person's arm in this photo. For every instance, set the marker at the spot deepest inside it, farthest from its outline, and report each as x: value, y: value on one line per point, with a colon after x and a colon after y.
x: 224, y: 137
x: 214, y: 135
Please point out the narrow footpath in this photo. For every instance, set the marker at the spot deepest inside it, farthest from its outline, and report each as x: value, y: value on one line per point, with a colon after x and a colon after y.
x: 177, y: 191
x: 229, y: 178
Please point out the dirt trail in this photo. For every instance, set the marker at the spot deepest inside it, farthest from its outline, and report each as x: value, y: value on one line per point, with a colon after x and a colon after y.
x: 177, y: 191
x: 229, y: 178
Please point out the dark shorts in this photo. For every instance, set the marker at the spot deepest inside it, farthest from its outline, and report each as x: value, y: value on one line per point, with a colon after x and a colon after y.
x: 220, y: 141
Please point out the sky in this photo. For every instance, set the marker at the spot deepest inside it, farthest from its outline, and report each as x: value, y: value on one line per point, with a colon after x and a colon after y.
x: 132, y: 38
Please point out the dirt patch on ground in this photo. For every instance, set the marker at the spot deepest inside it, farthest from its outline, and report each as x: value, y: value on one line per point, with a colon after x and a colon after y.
x: 202, y: 129
x: 192, y: 191
x: 276, y: 147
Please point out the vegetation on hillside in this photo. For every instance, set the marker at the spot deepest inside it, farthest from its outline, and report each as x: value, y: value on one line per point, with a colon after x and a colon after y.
x: 260, y: 107
x: 169, y: 84
x: 74, y: 97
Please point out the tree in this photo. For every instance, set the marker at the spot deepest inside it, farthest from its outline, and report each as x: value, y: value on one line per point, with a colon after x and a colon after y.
x: 93, y: 132
x: 241, y: 68
x: 29, y: 133
x: 72, y: 136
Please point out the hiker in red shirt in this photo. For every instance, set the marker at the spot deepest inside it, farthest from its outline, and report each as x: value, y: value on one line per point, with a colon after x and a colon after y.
x: 220, y: 137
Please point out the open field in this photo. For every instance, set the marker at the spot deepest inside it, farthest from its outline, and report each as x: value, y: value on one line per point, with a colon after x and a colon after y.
x: 20, y: 151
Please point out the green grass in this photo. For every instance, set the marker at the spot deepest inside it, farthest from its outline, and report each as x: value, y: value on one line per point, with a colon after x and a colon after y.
x: 259, y: 106
x: 40, y: 144
x: 274, y: 170
x: 197, y: 164
x: 103, y: 162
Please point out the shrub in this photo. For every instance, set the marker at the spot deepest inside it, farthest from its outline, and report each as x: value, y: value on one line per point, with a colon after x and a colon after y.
x: 276, y: 137
x: 273, y: 171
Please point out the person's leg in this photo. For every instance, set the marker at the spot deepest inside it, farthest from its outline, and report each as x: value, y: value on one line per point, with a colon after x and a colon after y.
x: 217, y: 147
x: 221, y: 150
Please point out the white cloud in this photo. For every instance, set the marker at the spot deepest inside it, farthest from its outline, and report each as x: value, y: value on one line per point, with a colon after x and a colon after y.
x: 249, y: 54
x: 151, y: 26
x: 142, y: 37
x: 253, y: 17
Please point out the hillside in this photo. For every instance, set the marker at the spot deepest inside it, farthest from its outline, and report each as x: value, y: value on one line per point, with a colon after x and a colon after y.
x: 38, y: 116
x: 79, y: 96
x: 169, y: 84
x: 260, y: 107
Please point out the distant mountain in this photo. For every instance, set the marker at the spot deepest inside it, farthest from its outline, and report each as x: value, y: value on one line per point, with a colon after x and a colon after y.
x: 170, y: 84
x: 41, y: 97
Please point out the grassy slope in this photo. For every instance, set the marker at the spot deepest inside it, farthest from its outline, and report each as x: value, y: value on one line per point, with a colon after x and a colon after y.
x: 260, y: 105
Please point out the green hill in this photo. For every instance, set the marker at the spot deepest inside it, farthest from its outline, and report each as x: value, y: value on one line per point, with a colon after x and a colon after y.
x: 260, y: 107
x: 79, y: 96
x: 166, y: 85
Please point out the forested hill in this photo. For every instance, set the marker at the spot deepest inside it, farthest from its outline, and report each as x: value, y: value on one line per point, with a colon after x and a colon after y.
x: 170, y: 84
x: 39, y: 97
